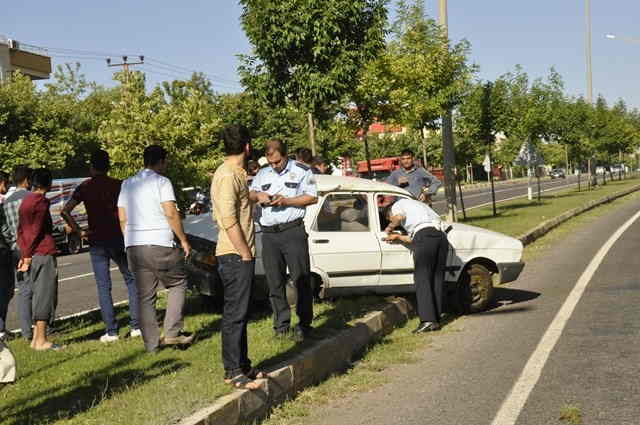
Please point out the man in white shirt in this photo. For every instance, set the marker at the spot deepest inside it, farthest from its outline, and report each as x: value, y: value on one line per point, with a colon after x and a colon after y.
x: 430, y: 247
x: 149, y: 219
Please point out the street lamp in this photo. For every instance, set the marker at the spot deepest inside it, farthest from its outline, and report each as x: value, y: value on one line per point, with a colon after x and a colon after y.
x: 622, y: 38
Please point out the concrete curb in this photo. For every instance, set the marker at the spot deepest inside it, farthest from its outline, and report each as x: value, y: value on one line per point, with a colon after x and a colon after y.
x: 308, y: 368
x: 546, y: 226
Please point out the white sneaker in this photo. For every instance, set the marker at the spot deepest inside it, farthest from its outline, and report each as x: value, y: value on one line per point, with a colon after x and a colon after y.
x: 3, y: 335
x: 106, y: 338
x: 135, y: 333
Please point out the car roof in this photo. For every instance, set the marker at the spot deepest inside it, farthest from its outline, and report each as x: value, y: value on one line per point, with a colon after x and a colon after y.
x: 326, y: 183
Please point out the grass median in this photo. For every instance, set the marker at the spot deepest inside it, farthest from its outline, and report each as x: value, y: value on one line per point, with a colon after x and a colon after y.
x: 92, y: 383
x: 118, y: 383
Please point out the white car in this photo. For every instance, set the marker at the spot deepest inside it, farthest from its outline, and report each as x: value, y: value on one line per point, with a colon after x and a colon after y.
x: 348, y: 256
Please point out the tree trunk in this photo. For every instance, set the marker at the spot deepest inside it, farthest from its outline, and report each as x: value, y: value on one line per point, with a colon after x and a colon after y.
x: 312, y: 133
x: 366, y: 152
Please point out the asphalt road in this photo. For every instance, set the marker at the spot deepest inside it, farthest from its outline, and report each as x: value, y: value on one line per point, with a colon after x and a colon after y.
x: 77, y: 288
x: 504, y: 192
x: 524, y: 359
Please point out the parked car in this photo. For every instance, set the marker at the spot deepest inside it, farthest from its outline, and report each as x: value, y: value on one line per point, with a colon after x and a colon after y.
x: 60, y: 193
x: 348, y: 256
x: 557, y: 173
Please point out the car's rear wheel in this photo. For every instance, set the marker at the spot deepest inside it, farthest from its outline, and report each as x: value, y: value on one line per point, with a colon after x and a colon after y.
x: 475, y: 289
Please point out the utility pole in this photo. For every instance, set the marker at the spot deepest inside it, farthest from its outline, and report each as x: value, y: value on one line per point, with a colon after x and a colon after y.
x: 587, y: 13
x: 448, y: 151
x: 125, y: 65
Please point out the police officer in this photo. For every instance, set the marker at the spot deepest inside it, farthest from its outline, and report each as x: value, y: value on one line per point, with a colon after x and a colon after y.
x: 418, y: 181
x: 430, y: 247
x: 284, y: 189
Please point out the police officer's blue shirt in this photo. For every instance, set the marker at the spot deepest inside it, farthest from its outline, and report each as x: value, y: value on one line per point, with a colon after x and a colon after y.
x: 295, y: 179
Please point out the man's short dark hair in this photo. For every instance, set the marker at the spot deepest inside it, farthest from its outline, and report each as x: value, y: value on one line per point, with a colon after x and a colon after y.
x: 153, y: 155
x: 100, y: 160
x: 4, y: 177
x: 318, y: 160
x: 41, y: 179
x: 304, y: 155
x: 235, y: 139
x: 407, y: 152
x: 21, y: 173
x: 277, y: 145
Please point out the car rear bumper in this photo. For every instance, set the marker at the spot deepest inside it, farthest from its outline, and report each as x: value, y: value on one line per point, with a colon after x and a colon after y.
x: 508, y: 272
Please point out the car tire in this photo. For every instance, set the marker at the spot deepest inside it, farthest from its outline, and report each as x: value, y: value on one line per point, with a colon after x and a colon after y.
x: 74, y: 244
x: 475, y: 289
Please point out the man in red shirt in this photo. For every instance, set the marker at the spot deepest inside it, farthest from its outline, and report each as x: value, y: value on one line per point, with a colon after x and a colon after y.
x: 38, y: 249
x: 100, y: 195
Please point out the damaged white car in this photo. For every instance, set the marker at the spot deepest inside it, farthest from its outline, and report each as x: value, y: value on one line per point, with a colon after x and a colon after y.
x: 349, y: 257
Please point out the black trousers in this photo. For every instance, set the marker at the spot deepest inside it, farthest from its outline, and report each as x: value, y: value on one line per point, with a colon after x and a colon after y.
x: 430, y: 248
x: 237, y: 280
x: 289, y: 248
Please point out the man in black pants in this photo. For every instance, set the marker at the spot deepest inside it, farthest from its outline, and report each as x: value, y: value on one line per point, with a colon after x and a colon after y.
x: 430, y: 247
x: 235, y: 250
x: 285, y: 189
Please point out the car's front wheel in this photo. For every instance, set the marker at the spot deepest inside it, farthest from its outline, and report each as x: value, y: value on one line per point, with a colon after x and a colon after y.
x: 475, y: 289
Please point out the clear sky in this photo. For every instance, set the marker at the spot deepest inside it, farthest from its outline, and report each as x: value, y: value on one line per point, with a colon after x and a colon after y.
x: 205, y: 35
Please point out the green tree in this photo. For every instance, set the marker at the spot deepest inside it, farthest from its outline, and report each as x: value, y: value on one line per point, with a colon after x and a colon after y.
x: 309, y: 53
x: 187, y: 127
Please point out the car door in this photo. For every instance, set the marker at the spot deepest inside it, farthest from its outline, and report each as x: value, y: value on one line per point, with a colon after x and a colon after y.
x: 396, y: 267
x: 342, y: 241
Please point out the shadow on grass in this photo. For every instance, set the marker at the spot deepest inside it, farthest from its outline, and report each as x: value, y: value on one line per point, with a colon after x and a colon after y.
x: 85, y: 392
x: 336, y: 319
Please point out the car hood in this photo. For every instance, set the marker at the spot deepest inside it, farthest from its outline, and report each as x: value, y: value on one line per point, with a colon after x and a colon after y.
x: 202, y: 226
x: 464, y: 236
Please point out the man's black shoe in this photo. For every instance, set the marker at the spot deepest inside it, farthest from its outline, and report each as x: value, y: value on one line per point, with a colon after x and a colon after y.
x: 301, y: 333
x: 427, y: 327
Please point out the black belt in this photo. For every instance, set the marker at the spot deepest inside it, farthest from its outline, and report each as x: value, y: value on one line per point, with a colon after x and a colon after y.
x: 282, y: 227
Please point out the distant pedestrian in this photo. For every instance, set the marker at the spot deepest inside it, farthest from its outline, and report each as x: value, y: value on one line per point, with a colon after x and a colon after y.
x: 304, y: 156
x: 419, y: 182
x: 100, y: 196
x: 319, y: 165
x: 285, y: 189
x: 38, y: 250
x: 11, y: 208
x: 252, y: 169
x: 430, y: 247
x: 6, y: 264
x: 149, y: 219
x: 235, y: 251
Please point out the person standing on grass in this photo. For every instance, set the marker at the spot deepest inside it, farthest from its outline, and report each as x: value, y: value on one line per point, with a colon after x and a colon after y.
x: 235, y: 251
x: 149, y: 219
x: 38, y: 250
x: 100, y: 195
x: 285, y: 189
x: 6, y: 267
x: 11, y: 207
x: 430, y: 247
x: 419, y: 182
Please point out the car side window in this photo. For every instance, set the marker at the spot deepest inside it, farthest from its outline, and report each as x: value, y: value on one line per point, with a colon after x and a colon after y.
x: 343, y: 213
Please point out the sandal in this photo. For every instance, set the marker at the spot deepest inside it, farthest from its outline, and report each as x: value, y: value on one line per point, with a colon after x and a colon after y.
x: 242, y: 382
x: 253, y: 373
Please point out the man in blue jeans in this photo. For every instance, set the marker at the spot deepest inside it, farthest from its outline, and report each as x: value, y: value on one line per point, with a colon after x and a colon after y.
x: 100, y: 196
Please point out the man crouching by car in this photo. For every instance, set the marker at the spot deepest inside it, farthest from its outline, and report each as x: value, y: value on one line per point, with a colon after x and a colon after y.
x: 430, y: 246
x: 235, y: 251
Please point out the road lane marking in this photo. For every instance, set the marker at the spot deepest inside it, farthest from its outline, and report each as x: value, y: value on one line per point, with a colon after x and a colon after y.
x: 76, y: 277
x: 514, y: 403
x: 513, y: 197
